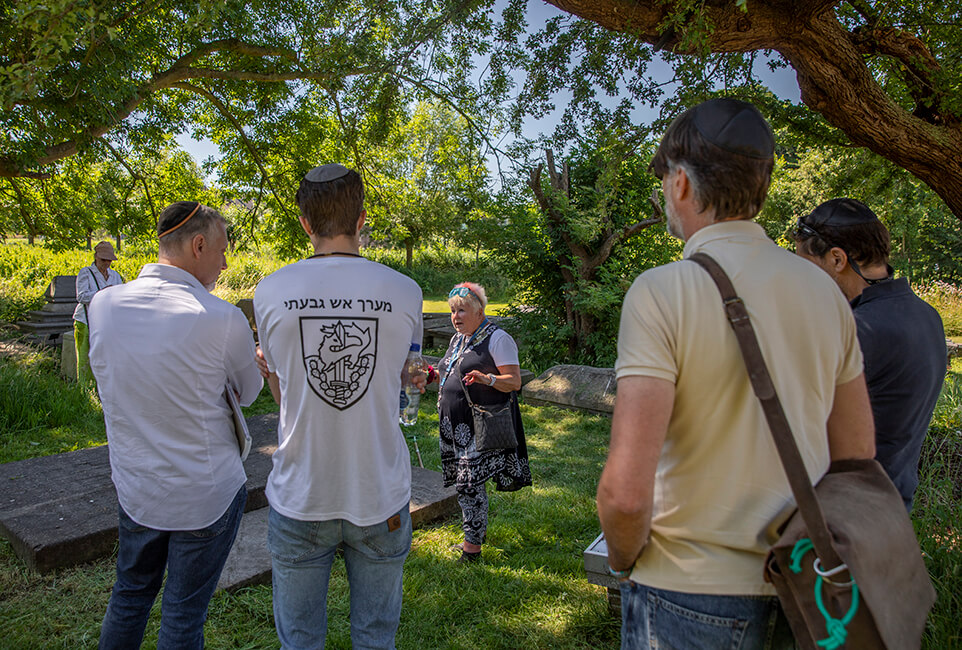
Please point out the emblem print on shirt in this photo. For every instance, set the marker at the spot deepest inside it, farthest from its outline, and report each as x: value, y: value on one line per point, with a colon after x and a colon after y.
x: 339, y: 356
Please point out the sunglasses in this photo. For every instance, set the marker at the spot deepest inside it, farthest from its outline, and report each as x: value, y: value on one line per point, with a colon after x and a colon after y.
x: 460, y: 292
x: 802, y: 228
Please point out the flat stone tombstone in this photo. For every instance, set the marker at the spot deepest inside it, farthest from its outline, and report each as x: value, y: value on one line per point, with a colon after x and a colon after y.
x: 249, y: 562
x: 68, y: 356
x: 596, y: 570
x: 246, y: 305
x: 575, y: 387
x: 63, y: 288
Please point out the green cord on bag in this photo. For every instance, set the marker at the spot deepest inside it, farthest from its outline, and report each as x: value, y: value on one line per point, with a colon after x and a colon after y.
x: 836, y: 627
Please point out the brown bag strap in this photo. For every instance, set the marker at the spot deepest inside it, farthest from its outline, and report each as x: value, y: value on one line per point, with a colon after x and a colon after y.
x: 764, y: 388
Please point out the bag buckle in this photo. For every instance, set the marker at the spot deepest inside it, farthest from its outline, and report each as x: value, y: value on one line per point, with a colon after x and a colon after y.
x: 826, y: 574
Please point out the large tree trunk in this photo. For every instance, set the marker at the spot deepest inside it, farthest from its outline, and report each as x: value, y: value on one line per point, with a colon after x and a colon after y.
x: 832, y: 74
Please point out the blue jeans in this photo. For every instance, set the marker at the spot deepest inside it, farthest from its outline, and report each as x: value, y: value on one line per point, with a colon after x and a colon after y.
x: 671, y: 620
x: 194, y: 560
x: 302, y: 553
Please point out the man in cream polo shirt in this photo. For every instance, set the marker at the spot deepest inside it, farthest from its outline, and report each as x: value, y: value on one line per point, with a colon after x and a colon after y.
x: 163, y: 349
x: 693, y: 489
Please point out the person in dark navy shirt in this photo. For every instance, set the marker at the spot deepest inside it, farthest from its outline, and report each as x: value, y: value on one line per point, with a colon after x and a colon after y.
x: 901, y: 335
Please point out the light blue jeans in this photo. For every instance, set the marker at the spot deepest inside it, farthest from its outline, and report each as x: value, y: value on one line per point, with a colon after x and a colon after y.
x: 671, y: 620
x: 302, y: 553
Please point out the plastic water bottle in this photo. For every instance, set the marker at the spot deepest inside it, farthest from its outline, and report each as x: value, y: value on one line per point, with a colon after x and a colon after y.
x: 410, y: 395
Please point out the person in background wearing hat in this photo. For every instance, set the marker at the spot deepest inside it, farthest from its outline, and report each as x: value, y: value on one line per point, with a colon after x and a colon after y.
x: 164, y: 350
x: 901, y: 335
x: 693, y: 490
x: 335, y: 330
x: 90, y: 280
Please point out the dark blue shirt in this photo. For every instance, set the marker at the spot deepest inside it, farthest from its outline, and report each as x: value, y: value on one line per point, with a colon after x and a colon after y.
x: 904, y: 347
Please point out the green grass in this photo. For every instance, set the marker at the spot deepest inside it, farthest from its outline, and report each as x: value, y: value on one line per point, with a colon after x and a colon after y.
x: 530, y: 591
x: 440, y: 305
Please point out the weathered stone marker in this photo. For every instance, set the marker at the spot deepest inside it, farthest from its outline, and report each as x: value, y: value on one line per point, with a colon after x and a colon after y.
x: 60, y: 511
x: 249, y: 562
x: 46, y: 325
x: 596, y: 567
x: 574, y: 387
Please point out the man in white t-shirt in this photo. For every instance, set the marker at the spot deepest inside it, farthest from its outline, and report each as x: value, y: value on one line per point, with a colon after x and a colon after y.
x: 163, y: 350
x: 693, y: 490
x: 335, y: 330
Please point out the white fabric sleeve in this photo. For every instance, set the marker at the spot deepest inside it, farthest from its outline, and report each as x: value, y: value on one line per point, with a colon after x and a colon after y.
x: 503, y: 349
x: 239, y: 357
x: 86, y: 288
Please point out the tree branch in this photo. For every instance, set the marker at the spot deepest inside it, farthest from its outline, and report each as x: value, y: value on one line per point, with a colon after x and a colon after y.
x: 223, y: 110
x: 133, y: 174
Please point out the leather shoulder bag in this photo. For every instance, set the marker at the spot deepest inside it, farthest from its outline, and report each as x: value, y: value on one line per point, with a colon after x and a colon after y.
x: 847, y: 567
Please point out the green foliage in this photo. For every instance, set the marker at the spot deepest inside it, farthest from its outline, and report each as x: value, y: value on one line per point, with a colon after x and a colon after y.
x: 40, y: 414
x: 573, y: 262
x: 437, y: 268
x: 947, y: 300
x: 926, y: 237
x: 26, y: 272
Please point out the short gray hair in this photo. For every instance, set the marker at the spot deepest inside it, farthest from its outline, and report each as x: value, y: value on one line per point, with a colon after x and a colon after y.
x: 181, y: 221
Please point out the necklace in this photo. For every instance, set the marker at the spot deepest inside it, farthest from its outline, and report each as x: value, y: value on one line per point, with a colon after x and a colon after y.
x: 463, y: 347
x: 316, y: 255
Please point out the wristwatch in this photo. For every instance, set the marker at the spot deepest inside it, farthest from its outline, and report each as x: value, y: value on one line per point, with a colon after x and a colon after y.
x: 493, y: 379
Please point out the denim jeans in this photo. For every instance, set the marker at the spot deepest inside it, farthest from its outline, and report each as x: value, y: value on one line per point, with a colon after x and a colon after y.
x: 194, y: 560
x: 671, y: 620
x: 302, y: 553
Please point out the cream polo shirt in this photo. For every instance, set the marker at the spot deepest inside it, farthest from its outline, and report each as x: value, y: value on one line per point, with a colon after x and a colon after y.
x: 720, y: 490
x: 163, y: 349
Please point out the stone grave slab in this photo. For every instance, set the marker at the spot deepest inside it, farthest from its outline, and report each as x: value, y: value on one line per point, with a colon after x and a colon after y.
x: 249, y: 562
x: 68, y: 356
x: 596, y: 569
x: 575, y: 387
x: 61, y: 510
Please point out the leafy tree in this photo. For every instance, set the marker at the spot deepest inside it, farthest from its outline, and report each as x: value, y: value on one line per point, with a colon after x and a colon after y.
x: 575, y: 251
x: 884, y: 74
x: 926, y: 239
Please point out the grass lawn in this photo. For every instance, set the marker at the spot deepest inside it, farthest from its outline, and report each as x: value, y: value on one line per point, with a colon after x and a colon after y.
x: 436, y: 305
x: 528, y: 592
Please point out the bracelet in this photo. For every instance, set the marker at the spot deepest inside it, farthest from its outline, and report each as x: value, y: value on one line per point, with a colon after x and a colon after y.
x: 623, y: 573
x: 492, y: 378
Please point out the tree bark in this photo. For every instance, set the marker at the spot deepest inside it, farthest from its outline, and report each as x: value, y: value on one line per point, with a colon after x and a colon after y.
x: 832, y: 73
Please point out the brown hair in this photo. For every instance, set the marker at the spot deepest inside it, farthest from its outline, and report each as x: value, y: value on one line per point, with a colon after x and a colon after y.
x: 866, y: 243
x: 731, y: 183
x: 332, y: 208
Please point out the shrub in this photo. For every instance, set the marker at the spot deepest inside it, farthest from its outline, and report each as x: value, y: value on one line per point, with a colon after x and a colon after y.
x: 947, y: 300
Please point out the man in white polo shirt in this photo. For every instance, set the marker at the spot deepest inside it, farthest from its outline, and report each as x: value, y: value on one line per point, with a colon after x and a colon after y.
x: 163, y: 350
x: 335, y: 330
x: 693, y: 490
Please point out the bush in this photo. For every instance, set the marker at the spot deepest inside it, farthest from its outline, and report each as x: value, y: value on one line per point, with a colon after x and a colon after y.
x: 947, y: 300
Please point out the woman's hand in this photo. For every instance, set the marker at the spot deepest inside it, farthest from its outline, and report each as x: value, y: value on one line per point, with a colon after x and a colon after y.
x: 476, y: 376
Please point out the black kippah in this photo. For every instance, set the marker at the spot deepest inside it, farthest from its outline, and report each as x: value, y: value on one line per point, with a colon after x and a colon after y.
x: 735, y: 126
x: 326, y: 173
x: 841, y: 212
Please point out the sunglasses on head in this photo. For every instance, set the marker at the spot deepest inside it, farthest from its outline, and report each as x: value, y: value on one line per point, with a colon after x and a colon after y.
x: 802, y: 228
x: 460, y: 292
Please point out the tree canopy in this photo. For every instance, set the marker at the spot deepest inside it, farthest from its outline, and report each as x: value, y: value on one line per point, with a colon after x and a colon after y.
x: 885, y: 74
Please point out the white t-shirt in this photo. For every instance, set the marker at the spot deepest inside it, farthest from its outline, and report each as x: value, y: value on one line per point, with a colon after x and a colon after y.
x: 163, y: 350
x: 503, y: 349
x: 337, y: 330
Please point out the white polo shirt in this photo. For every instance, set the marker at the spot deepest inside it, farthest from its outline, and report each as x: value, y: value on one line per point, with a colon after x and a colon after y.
x: 89, y: 281
x: 163, y: 349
